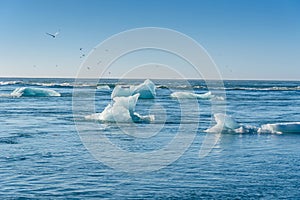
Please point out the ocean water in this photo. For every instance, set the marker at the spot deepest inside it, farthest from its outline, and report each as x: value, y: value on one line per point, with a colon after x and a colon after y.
x: 42, y: 154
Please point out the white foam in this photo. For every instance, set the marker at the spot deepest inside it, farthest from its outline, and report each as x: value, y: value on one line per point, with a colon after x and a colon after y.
x: 275, y: 88
x: 146, y: 90
x: 10, y: 82
x: 190, y: 95
x: 34, y: 92
x: 65, y: 84
x: 45, y: 84
x: 5, y: 95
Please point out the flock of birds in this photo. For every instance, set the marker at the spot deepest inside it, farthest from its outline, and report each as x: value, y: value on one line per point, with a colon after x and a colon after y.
x: 54, y: 35
x: 82, y: 54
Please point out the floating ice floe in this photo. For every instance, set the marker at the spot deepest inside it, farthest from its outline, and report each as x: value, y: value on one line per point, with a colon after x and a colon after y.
x: 121, y: 110
x: 34, y: 92
x: 190, y: 95
x: 289, y: 127
x: 226, y: 124
x: 146, y: 90
x: 103, y: 87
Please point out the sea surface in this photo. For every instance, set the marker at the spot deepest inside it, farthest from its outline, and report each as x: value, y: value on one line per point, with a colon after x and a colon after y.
x: 42, y: 154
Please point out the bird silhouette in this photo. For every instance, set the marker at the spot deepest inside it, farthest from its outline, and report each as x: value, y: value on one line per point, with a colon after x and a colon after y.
x: 53, y: 35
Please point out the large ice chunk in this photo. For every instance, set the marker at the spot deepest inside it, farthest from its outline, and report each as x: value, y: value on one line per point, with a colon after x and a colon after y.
x: 146, y: 90
x: 34, y: 92
x: 121, y: 110
x: 122, y: 91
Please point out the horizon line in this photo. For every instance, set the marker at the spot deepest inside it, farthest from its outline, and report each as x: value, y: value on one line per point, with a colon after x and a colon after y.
x: 134, y: 78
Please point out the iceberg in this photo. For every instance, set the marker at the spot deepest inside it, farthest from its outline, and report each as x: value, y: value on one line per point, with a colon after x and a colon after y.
x: 190, y: 95
x: 121, y: 110
x: 34, y: 92
x: 146, y: 90
x: 289, y: 127
x: 226, y: 124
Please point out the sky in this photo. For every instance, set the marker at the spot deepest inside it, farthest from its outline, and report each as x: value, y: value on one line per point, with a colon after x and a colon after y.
x: 257, y: 39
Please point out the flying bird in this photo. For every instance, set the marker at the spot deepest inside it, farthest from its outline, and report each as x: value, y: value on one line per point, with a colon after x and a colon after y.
x: 53, y: 35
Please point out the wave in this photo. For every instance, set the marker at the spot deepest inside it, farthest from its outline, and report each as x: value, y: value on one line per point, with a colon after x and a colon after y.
x: 226, y: 124
x: 10, y: 82
x: 101, y: 86
x: 5, y: 95
x: 161, y: 85
x: 33, y: 92
x: 52, y: 84
x: 265, y: 88
x: 63, y: 85
x: 191, y: 95
x: 181, y: 87
x: 188, y: 87
x: 47, y: 84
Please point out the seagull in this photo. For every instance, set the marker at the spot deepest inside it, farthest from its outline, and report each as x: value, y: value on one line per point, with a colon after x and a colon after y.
x: 53, y: 35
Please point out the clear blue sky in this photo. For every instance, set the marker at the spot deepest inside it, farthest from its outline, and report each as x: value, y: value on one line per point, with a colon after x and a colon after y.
x: 248, y: 39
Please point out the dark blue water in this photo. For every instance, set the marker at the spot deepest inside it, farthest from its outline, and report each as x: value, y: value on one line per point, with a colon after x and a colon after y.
x: 42, y: 155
